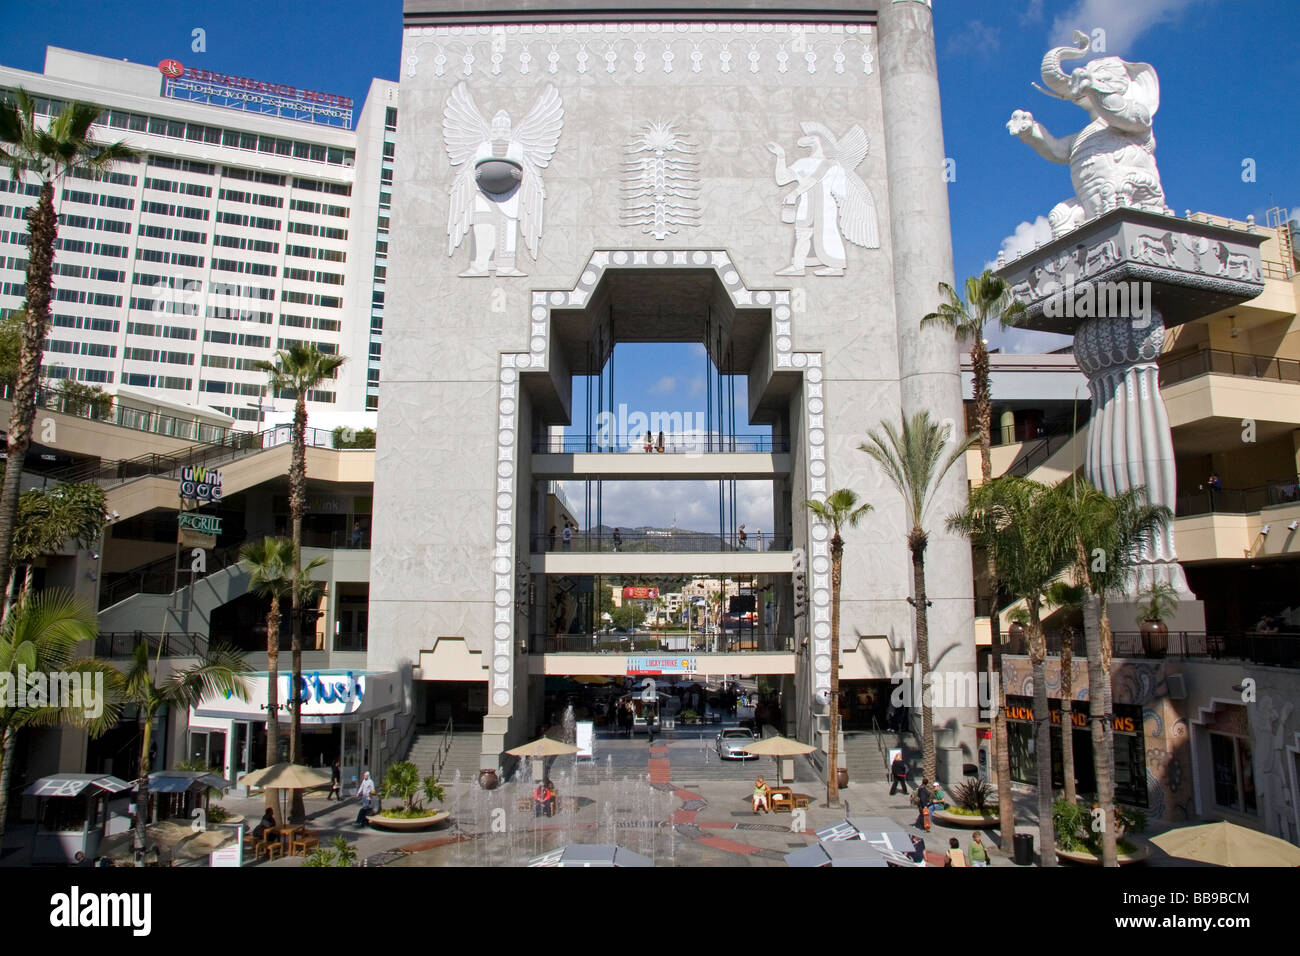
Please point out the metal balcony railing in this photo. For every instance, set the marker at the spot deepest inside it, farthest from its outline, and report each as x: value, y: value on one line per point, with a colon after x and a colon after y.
x: 647, y: 642
x: 1276, y: 650
x: 1239, y: 501
x: 1217, y: 362
x: 658, y: 542
x: 675, y: 444
x: 119, y: 644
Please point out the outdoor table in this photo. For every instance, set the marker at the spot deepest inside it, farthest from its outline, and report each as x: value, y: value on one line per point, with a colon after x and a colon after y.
x: 782, y: 799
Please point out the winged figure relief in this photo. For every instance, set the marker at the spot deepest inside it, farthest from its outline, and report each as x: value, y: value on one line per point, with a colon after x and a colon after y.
x: 829, y: 202
x: 498, y: 194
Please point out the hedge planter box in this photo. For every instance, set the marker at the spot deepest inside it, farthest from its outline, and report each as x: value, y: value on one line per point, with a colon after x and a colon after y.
x: 1084, y: 858
x: 974, y: 821
x: 407, y: 825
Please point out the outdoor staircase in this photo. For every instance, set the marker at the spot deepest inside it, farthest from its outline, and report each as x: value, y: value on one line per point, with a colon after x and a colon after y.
x: 463, y: 753
x: 867, y: 753
x: 199, y: 600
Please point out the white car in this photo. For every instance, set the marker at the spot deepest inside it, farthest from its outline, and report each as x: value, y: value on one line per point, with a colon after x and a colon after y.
x: 733, y: 741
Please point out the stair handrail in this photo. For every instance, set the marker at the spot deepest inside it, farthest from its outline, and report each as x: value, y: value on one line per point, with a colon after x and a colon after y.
x: 878, y: 730
x: 444, y: 749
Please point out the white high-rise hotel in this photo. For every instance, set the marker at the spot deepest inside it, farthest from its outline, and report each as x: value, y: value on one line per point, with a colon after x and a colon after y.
x: 255, y: 218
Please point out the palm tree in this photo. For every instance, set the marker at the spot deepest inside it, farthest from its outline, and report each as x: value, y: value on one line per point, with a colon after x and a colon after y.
x: 915, y: 462
x: 219, y: 672
x: 1107, y: 534
x: 41, y: 634
x: 840, y: 508
x: 988, y: 299
x: 64, y: 144
x: 298, y: 369
x: 1068, y: 598
x: 1011, y: 518
x: 47, y: 520
x: 269, y: 564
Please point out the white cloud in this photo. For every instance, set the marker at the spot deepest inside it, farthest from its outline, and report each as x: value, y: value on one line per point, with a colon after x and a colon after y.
x: 1123, y: 20
x: 1023, y: 240
x: 978, y: 37
x: 1033, y: 13
x: 1025, y: 342
x: 664, y: 385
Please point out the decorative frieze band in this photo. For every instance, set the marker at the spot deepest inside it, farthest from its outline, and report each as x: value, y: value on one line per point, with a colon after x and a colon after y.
x: 642, y: 49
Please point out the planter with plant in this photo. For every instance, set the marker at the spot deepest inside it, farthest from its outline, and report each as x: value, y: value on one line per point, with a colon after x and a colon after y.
x: 338, y: 853
x: 1156, y: 605
x: 1018, y: 618
x: 974, y: 804
x: 403, y: 780
x: 1078, y: 841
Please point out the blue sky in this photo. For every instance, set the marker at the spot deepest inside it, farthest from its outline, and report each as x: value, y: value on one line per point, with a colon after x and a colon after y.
x: 1228, y: 72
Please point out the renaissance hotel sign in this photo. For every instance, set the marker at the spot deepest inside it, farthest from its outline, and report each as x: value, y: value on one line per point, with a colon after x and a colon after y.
x: 254, y: 96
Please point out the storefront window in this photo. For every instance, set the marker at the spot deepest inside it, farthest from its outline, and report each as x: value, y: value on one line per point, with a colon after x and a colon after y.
x: 1130, y: 752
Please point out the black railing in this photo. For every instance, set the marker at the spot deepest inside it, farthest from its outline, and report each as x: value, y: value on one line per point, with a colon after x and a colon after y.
x: 1239, y: 501
x: 159, y: 577
x: 354, y: 540
x: 110, y: 412
x: 678, y: 444
x: 119, y: 644
x: 237, y: 445
x: 350, y: 641
x: 1037, y: 451
x: 1216, y: 362
x: 634, y: 542
x: 1276, y: 650
x: 646, y: 642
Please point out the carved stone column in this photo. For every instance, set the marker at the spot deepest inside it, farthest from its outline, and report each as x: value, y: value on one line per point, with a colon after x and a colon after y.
x: 1129, y: 442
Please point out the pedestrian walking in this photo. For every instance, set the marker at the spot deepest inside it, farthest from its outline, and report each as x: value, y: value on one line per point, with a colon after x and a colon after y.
x: 551, y: 536
x: 567, y: 535
x: 650, y: 724
x: 356, y: 534
x: 366, y: 793
x: 918, y: 850
x: 336, y: 778
x: 978, y: 853
x: 660, y: 447
x: 649, y: 444
x: 923, y: 804
x: 898, y: 773
x: 618, y: 539
x: 740, y: 533
x: 955, y: 856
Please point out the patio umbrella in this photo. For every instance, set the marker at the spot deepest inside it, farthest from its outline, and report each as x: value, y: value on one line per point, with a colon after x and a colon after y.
x: 1226, y: 844
x: 591, y: 854
x: 540, y: 749
x: 778, y: 747
x: 848, y: 853
x: 284, y: 777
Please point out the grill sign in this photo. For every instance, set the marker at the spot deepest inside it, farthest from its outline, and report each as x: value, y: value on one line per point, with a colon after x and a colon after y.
x: 203, y: 524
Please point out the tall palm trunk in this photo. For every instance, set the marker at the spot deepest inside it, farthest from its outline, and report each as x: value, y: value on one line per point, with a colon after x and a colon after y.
x: 8, y: 744
x: 142, y: 784
x: 297, y: 504
x: 1067, y: 720
x: 1105, y: 756
x: 1001, y: 750
x: 833, y: 769
x: 273, y: 682
x: 916, y: 542
x: 42, y: 229
x: 1042, y: 736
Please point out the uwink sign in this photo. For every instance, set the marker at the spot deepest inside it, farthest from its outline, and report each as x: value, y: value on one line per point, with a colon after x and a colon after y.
x: 200, y: 483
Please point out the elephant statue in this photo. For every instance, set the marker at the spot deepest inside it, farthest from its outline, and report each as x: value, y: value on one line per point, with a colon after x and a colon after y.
x: 1112, y: 159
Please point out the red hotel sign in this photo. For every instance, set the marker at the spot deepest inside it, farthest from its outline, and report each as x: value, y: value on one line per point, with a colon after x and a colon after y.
x: 173, y: 70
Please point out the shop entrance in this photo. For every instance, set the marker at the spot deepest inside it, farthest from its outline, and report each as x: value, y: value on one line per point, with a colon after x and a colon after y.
x: 464, y: 703
x: 863, y: 700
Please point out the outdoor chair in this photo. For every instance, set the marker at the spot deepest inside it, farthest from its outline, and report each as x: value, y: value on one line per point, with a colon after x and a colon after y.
x: 304, y: 841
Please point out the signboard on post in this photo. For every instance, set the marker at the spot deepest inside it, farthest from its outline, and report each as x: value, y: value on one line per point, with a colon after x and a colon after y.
x: 203, y: 524
x: 200, y: 483
x: 586, y: 735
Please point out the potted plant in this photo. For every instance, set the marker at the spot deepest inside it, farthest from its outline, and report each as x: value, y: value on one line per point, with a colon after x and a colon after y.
x: 403, y: 780
x: 1016, y: 630
x: 973, y: 804
x: 1156, y: 604
x: 1078, y: 837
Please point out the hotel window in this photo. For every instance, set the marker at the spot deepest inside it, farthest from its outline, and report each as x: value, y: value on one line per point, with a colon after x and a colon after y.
x: 1234, y: 775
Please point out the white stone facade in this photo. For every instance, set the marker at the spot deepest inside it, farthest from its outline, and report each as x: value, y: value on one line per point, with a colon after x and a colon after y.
x: 453, y: 511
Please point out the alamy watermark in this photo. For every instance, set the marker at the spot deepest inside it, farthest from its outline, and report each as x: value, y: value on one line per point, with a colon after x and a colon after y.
x: 1099, y: 300
x: 65, y: 690
x: 947, y: 689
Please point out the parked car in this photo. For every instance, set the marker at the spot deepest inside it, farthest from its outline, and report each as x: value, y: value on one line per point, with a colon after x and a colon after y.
x: 733, y: 741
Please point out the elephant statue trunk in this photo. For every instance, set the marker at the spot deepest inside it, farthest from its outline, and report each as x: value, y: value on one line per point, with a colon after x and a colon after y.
x: 1056, y: 79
